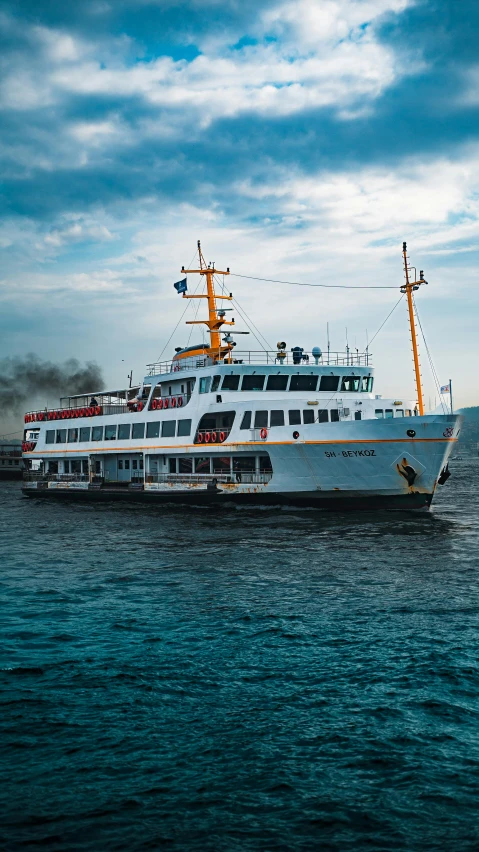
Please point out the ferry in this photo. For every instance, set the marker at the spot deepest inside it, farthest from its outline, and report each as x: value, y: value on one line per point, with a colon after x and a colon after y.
x: 11, y: 462
x: 217, y: 426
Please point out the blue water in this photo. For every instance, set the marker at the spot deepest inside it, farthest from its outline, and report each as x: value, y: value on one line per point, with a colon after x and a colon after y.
x: 246, y: 680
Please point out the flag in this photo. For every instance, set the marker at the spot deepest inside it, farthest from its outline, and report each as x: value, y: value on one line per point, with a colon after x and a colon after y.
x: 445, y: 389
x: 180, y: 286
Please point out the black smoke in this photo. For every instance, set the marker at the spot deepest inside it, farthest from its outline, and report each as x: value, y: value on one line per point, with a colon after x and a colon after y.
x: 26, y: 383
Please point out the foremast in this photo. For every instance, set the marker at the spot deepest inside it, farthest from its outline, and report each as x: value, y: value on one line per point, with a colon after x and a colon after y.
x: 216, y: 351
x: 408, y: 288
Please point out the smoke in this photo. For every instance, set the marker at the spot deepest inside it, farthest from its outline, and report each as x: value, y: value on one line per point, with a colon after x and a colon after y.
x: 29, y: 383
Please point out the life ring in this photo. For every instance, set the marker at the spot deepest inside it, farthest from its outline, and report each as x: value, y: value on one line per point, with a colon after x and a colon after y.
x: 63, y: 415
x: 200, y: 437
x: 139, y: 406
x: 98, y: 409
x: 165, y: 403
x: 180, y: 401
x: 207, y: 437
x: 173, y: 401
x: 82, y: 412
x: 159, y: 404
x: 222, y: 436
x: 154, y: 405
x: 263, y: 433
x: 214, y: 437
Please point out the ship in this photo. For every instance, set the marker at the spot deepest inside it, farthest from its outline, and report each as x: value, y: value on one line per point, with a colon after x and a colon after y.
x: 11, y: 462
x: 264, y: 428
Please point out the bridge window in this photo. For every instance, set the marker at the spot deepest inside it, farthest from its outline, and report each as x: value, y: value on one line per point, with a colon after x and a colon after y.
x: 399, y: 412
x: 230, y: 382
x: 277, y: 383
x: 184, y: 428
x: 252, y: 383
x: 168, y: 429
x: 367, y: 384
x: 205, y: 384
x: 153, y: 429
x: 110, y: 433
x: 72, y: 436
x: 124, y: 431
x: 61, y: 436
x: 294, y: 417
x: 85, y: 433
x: 323, y: 416
x: 408, y: 412
x: 216, y: 383
x: 50, y: 436
x: 379, y: 413
x: 246, y: 421
x: 350, y: 384
x: 329, y: 383
x: 389, y: 413
x: 277, y: 418
x: 303, y: 383
x: 308, y: 415
x: 261, y: 420
x: 138, y: 430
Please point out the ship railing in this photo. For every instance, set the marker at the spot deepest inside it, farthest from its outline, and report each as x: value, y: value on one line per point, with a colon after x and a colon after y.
x: 205, y: 478
x: 86, y: 412
x: 17, y: 454
x: 273, y: 357
x: 44, y: 476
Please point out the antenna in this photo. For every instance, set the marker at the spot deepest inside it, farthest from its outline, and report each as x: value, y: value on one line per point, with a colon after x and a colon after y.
x: 327, y: 334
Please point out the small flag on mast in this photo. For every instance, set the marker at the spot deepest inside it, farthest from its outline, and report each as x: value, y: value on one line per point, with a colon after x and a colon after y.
x: 181, y: 286
x: 445, y: 388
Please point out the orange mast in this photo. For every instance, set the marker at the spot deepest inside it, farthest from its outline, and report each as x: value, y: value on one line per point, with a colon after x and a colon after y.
x: 215, y: 317
x: 408, y: 288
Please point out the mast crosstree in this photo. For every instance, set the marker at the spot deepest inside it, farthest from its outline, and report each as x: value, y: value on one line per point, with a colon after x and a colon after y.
x: 215, y: 320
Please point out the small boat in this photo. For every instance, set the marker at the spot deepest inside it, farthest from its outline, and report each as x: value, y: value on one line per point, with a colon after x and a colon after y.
x: 217, y: 426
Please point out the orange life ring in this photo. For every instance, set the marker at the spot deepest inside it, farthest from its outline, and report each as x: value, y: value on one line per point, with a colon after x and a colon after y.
x: 263, y: 433
x: 222, y: 436
x: 180, y: 401
x: 207, y: 437
x: 140, y: 406
x: 154, y: 405
x: 165, y: 403
x: 214, y: 437
x: 97, y: 410
x: 173, y: 401
x: 200, y: 437
x: 159, y: 404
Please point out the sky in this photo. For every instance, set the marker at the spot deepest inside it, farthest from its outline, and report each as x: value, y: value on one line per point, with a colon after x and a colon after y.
x: 299, y: 140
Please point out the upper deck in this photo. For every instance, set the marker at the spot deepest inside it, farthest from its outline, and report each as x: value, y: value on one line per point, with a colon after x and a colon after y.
x: 273, y: 358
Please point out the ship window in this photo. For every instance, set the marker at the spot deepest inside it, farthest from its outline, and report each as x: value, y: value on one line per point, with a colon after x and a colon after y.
x: 277, y: 418
x: 97, y: 433
x: 323, y: 416
x: 50, y: 436
x: 153, y: 429
x: 120, y: 464
x: 230, y: 382
x: 110, y: 433
x: 168, y: 429
x: 52, y: 466
x: 379, y: 413
x: 221, y: 464
x: 15, y: 461
x: 408, y: 413
x: 124, y: 430
x: 185, y: 465
x: 85, y: 432
x: 184, y: 428
x: 75, y: 466
x: 205, y: 384
x: 141, y: 463
x: 127, y: 464
x: 303, y: 383
x: 308, y: 415
x: 138, y: 430
x: 265, y: 465
x: 61, y: 436
x: 389, y: 413
x: 260, y: 419
x: 294, y: 417
x: 72, y: 436
x: 334, y: 415
x: 329, y: 383
x: 202, y: 465
x: 246, y: 421
x: 134, y: 464
x: 277, y: 383
x: 399, y: 412
x: 350, y: 384
x: 252, y: 383
x: 66, y: 466
x: 216, y: 383
x: 172, y: 465
x: 357, y: 415
x: 367, y: 384
x: 244, y: 464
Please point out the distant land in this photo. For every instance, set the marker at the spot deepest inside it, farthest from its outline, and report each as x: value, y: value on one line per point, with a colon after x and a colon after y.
x: 469, y: 437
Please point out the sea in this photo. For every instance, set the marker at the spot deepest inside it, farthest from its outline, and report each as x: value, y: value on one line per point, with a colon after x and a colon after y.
x: 239, y: 679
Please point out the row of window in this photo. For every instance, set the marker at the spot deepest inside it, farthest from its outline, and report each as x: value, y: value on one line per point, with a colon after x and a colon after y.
x: 122, y: 432
x: 269, y: 419
x: 220, y: 464
x: 385, y: 413
x: 81, y: 465
x: 279, y: 382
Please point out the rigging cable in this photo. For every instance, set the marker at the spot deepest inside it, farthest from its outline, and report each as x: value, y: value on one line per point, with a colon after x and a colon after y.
x: 249, y: 322
x: 385, y: 321
x: 303, y: 284
x: 431, y: 362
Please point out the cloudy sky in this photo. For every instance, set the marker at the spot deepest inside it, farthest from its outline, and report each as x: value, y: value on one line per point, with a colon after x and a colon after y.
x: 302, y: 140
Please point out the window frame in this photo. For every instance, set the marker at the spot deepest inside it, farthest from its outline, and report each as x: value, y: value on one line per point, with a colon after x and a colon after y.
x: 297, y: 378
x: 250, y: 377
